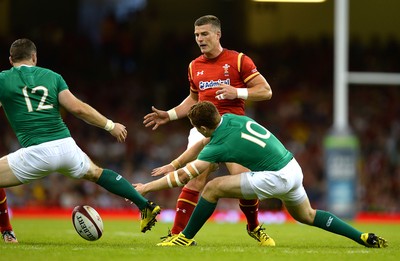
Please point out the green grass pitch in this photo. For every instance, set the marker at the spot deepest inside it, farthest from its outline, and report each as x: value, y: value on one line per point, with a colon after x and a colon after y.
x: 56, y: 239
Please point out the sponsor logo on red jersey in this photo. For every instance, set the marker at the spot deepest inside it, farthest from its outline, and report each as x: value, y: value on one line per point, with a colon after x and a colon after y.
x: 204, y: 85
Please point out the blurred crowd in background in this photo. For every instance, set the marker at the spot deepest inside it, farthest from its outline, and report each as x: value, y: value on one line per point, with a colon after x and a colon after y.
x: 132, y: 68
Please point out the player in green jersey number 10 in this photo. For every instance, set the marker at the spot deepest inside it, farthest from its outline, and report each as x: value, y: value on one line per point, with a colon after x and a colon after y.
x: 274, y: 173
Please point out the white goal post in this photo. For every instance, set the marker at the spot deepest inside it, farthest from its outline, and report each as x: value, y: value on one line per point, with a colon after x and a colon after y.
x: 342, y: 76
x: 341, y: 145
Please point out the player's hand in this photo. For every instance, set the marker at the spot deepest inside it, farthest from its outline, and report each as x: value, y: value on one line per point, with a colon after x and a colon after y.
x: 164, y: 170
x: 155, y: 118
x: 119, y: 132
x: 225, y: 92
x: 140, y: 188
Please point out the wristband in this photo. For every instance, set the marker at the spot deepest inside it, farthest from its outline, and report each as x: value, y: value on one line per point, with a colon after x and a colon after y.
x: 109, y: 125
x: 169, y: 180
x: 178, y: 182
x: 172, y: 115
x: 242, y: 93
x: 175, y: 164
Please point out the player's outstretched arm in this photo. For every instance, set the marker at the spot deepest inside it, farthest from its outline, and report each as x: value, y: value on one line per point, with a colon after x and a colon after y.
x: 90, y: 115
x: 156, y: 118
x: 163, y: 170
x: 187, y: 156
x: 159, y: 117
x: 119, y: 132
x: 177, y: 178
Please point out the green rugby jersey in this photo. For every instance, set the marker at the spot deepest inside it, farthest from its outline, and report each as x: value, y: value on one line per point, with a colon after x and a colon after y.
x: 242, y: 140
x: 29, y: 96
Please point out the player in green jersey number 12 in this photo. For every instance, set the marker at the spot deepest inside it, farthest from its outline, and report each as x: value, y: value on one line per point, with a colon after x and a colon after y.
x: 31, y: 97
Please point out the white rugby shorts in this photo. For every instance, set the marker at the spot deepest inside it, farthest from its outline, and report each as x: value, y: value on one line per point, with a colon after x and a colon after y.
x: 62, y: 156
x: 194, y: 137
x: 285, y: 184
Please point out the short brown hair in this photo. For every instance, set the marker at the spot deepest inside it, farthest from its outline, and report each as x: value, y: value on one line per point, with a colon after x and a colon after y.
x: 208, y: 19
x: 204, y: 114
x: 21, y: 50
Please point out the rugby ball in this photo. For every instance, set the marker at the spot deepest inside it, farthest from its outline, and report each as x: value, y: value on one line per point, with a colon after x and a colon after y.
x: 87, y: 222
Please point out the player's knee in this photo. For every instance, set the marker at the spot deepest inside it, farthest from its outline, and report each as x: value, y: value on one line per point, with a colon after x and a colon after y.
x: 93, y: 173
x: 307, y: 217
x: 208, y: 193
x: 211, y: 190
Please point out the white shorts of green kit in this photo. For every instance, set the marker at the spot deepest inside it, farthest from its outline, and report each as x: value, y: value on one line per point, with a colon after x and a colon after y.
x: 194, y: 137
x: 285, y: 184
x: 62, y: 156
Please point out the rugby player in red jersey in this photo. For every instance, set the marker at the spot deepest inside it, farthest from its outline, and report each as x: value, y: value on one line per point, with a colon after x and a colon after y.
x: 6, y: 229
x: 226, y: 78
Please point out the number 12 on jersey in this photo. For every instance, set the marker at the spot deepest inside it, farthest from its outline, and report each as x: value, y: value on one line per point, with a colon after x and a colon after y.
x: 41, y: 105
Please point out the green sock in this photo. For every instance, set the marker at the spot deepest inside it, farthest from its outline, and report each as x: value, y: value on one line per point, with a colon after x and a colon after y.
x: 200, y: 215
x: 332, y: 223
x: 118, y: 185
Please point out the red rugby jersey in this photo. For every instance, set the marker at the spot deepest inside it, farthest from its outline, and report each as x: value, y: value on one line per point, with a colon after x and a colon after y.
x: 230, y: 67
